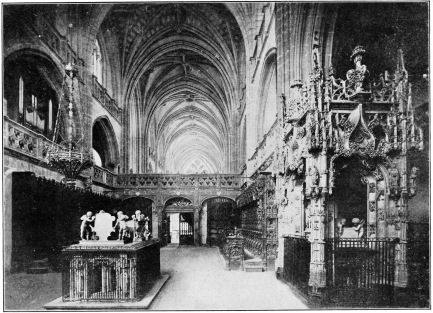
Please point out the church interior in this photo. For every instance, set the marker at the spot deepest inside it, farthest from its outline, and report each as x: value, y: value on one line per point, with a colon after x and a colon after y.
x: 279, y: 144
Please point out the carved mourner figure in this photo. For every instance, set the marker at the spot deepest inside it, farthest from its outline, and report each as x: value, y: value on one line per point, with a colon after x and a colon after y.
x: 339, y: 226
x: 121, y: 222
x: 394, y: 179
x: 86, y: 226
x: 139, y: 224
x: 358, y: 227
x: 412, y: 183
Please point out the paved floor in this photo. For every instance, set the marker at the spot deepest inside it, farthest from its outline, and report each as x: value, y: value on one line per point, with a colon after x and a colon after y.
x: 25, y: 292
x: 198, y: 282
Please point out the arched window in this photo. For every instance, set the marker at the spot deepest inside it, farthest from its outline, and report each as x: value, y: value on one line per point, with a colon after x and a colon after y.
x: 97, y: 61
x: 267, y: 113
x: 104, y: 144
x: 30, y: 96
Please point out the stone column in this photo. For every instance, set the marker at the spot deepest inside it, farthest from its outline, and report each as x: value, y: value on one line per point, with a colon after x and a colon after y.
x: 317, y: 239
x: 196, y: 226
x: 401, y: 276
x: 155, y: 221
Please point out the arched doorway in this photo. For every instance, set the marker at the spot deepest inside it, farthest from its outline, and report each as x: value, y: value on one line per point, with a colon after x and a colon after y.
x: 181, y: 217
x: 218, y: 215
x: 361, y: 249
x: 350, y: 205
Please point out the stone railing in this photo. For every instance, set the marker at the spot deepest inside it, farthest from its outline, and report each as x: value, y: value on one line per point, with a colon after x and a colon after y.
x: 59, y: 46
x: 18, y: 138
x: 103, y: 176
x: 264, y: 150
x: 101, y: 94
x: 58, y: 43
x: 177, y: 181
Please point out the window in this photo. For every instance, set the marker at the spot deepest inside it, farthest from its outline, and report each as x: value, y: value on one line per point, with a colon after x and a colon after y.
x: 30, y: 99
x: 97, y: 62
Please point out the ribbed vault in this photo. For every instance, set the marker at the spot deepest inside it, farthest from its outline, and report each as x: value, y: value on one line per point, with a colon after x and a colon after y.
x: 182, y: 66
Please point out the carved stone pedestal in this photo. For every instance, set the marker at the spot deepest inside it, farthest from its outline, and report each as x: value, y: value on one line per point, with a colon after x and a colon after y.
x: 109, y: 272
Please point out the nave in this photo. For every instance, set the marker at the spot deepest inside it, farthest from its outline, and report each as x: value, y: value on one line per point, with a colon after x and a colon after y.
x: 198, y: 281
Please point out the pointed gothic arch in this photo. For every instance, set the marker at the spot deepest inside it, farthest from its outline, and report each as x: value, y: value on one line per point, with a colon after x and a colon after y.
x: 105, y: 143
x: 267, y: 109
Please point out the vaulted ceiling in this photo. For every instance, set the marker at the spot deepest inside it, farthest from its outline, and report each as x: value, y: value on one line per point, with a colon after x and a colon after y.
x: 181, y: 69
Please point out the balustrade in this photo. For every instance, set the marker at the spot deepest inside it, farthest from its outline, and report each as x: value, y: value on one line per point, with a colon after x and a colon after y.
x: 178, y: 181
x: 58, y: 43
x: 102, y: 175
x: 101, y: 94
x: 261, y: 158
x: 253, y: 241
x: 21, y: 139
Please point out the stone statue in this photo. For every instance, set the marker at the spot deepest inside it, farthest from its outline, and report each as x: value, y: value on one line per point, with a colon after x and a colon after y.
x: 146, y: 224
x: 394, y: 179
x: 339, y: 226
x: 139, y: 224
x: 121, y: 221
x: 308, y: 220
x: 412, y: 182
x: 358, y: 77
x: 314, y: 173
x: 358, y: 227
x: 86, y: 226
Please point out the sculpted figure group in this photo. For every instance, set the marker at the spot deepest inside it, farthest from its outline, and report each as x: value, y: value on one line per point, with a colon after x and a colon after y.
x: 100, y: 226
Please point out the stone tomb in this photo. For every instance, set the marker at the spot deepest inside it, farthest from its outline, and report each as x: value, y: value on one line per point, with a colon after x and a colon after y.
x: 104, y: 274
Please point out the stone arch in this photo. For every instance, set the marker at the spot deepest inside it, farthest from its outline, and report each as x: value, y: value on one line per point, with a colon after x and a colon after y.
x: 167, y: 201
x: 218, y: 214
x: 33, y: 88
x: 267, y: 106
x: 374, y: 185
x: 38, y: 50
x: 211, y: 197
x: 105, y: 143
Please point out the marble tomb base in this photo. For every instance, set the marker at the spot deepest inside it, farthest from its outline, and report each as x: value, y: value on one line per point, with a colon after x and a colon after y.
x: 110, y: 275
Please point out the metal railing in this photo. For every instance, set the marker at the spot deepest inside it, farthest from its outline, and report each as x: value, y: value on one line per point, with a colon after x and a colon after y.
x: 360, y: 272
x: 296, y: 266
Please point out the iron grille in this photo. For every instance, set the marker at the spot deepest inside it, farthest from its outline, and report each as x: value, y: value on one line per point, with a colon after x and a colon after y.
x: 297, y: 258
x: 360, y: 272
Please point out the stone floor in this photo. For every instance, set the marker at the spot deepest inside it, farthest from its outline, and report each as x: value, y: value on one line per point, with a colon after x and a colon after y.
x: 198, y: 282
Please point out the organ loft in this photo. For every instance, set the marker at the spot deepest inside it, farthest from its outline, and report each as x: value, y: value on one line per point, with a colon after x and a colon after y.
x: 265, y: 144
